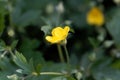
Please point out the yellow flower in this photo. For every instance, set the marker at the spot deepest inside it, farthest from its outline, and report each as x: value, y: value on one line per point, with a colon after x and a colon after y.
x: 58, y: 34
x: 95, y: 17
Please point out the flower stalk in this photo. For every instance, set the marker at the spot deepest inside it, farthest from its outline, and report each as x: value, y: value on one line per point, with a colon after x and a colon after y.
x: 60, y: 53
x: 51, y: 73
x: 66, y: 53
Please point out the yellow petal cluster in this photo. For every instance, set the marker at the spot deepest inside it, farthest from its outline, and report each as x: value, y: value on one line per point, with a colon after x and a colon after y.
x: 95, y: 17
x: 58, y: 34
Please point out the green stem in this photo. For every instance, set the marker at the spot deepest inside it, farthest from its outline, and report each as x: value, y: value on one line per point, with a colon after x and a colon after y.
x: 43, y: 73
x: 58, y: 19
x: 2, y: 56
x: 9, y: 11
x: 12, y: 54
x: 4, y: 53
x: 51, y: 73
x: 60, y: 53
x: 67, y: 55
x: 84, y: 78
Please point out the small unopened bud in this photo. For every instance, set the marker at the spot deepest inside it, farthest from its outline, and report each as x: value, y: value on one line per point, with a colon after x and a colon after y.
x: 108, y: 43
x: 64, y: 42
x: 92, y: 56
x: 19, y: 71
x: 49, y: 8
x: 34, y: 73
x: 11, y: 32
x: 13, y: 77
x: 79, y: 75
x: 60, y: 7
x: 117, y: 2
x: 68, y: 22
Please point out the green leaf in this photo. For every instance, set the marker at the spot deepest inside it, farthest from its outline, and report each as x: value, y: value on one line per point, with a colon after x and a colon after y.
x: 5, y: 62
x: 13, y: 77
x: 116, y: 64
x: 95, y: 43
x: 55, y: 67
x: 70, y: 78
x: 46, y: 29
x: 3, y: 4
x: 14, y: 44
x: 38, y: 4
x: 77, y: 5
x: 60, y: 78
x: 2, y: 24
x: 85, y: 61
x: 107, y: 74
x: 26, y: 18
x: 4, y: 74
x: 38, y: 68
x: 79, y: 19
x: 103, y: 71
x: 113, y: 26
x: 2, y: 45
x: 2, y: 14
x: 74, y: 60
x: 21, y: 61
x: 31, y: 66
x: 29, y: 51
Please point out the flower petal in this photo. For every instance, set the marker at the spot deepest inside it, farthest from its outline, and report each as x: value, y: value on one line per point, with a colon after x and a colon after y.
x: 52, y: 39
x: 67, y: 29
x: 95, y: 17
x: 49, y: 38
x: 57, y: 31
x: 58, y: 34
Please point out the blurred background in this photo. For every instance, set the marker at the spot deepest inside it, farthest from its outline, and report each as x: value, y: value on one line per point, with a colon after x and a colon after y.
x: 29, y: 21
